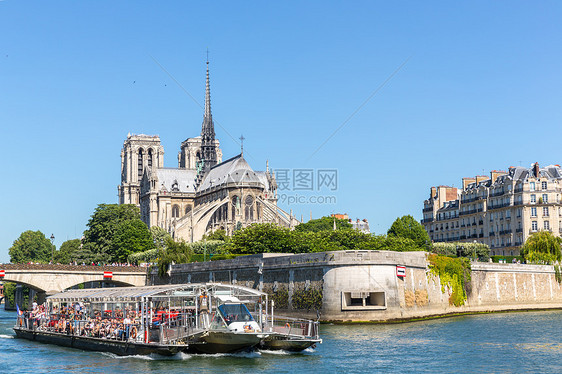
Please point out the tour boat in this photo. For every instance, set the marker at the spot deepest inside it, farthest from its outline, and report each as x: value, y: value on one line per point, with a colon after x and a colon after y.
x: 166, y: 320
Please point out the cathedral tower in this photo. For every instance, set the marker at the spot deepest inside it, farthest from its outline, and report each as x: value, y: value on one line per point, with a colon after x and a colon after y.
x: 139, y: 152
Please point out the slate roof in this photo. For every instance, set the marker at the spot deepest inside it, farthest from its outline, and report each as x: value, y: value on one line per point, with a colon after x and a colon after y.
x: 185, y: 179
x: 234, y: 170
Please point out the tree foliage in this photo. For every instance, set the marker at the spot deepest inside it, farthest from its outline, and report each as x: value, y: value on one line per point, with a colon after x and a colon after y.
x: 130, y: 237
x: 408, y: 227
x: 461, y: 249
x: 67, y: 251
x: 217, y: 235
x: 542, y: 248
x: 31, y: 246
x: 270, y: 238
x: 159, y: 236
x: 173, y: 253
x: 106, y: 240
x: 323, y: 224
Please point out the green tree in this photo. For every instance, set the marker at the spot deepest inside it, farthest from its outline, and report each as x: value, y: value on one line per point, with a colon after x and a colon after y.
x: 217, y: 235
x: 67, y: 251
x: 323, y: 224
x: 102, y: 227
x: 131, y: 236
x: 542, y: 248
x: 31, y: 246
x: 173, y: 253
x: 159, y: 236
x: 408, y: 227
x: 261, y: 238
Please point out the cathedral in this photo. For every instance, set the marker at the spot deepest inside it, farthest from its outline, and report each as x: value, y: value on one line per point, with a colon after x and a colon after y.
x: 204, y: 193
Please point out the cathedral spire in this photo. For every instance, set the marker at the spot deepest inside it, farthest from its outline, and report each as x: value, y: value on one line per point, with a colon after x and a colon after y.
x: 208, y: 115
x: 208, y: 147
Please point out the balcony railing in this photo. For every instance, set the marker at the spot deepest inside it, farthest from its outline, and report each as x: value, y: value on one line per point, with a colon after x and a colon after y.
x: 428, y: 209
x: 505, y: 232
x: 519, y: 230
x: 499, y: 206
x: 497, y: 193
x: 427, y: 220
x: 472, y: 199
x: 492, y: 234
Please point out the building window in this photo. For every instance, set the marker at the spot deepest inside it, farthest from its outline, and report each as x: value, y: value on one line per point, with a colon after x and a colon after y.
x: 188, y: 209
x: 545, y: 198
x: 534, y: 226
x: 546, y: 225
x: 531, y: 186
x: 544, y: 185
x: 140, y: 163
x: 150, y: 158
x: 545, y: 211
x: 533, y: 211
x: 533, y: 198
x: 175, y: 211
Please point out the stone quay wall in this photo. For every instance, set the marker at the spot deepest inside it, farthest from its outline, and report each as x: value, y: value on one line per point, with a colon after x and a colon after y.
x: 364, y: 285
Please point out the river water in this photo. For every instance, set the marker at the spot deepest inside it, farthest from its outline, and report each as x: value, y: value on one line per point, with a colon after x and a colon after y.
x: 493, y: 343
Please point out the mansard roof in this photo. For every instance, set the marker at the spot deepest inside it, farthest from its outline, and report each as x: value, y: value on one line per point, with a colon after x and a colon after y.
x: 184, y: 179
x: 234, y: 170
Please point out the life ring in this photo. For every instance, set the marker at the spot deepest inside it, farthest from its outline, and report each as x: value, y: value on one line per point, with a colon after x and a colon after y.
x: 134, y: 332
x: 288, y: 326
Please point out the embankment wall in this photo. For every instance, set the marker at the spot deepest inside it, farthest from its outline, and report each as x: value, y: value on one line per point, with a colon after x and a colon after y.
x: 364, y: 286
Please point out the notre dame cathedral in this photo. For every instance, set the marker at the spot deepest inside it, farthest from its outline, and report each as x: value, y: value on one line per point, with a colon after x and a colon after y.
x: 203, y: 193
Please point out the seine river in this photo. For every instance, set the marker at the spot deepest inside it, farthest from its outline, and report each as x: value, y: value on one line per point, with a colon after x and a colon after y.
x: 494, y: 343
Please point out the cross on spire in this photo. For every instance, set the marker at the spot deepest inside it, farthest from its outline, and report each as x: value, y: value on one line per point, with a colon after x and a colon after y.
x: 242, y: 144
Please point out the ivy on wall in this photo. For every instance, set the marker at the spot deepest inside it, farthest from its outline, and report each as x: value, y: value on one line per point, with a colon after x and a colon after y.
x: 279, y: 297
x: 557, y: 274
x: 310, y: 299
x: 454, y: 273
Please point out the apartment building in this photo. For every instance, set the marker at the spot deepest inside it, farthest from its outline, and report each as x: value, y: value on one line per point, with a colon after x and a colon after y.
x: 501, y: 210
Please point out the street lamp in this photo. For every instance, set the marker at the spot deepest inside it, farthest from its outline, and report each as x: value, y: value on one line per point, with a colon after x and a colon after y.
x: 52, y: 248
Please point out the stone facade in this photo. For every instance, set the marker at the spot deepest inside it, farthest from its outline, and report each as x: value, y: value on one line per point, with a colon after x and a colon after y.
x: 203, y: 193
x: 502, y: 210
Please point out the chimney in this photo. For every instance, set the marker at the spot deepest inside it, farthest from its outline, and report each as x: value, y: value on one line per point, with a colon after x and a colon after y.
x: 536, y: 169
x: 466, y: 182
x: 432, y: 193
x: 494, y: 174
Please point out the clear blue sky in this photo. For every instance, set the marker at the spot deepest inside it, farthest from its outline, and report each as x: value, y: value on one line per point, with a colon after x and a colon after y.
x: 481, y: 90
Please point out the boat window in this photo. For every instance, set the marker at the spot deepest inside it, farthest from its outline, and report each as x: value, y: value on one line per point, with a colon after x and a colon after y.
x: 235, y: 313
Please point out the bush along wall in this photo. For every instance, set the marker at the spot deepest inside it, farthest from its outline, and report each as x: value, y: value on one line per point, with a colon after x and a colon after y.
x: 454, y: 273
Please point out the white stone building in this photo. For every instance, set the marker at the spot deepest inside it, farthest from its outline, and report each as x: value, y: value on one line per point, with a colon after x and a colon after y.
x: 203, y: 193
x: 502, y: 210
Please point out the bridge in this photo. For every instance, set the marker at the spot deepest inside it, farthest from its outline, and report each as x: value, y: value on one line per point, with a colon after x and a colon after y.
x: 49, y: 279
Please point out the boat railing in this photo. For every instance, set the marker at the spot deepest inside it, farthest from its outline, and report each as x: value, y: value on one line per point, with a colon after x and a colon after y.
x: 177, y: 329
x: 292, y: 326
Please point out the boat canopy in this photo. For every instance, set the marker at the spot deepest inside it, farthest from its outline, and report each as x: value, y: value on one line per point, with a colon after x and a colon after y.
x: 165, y: 291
